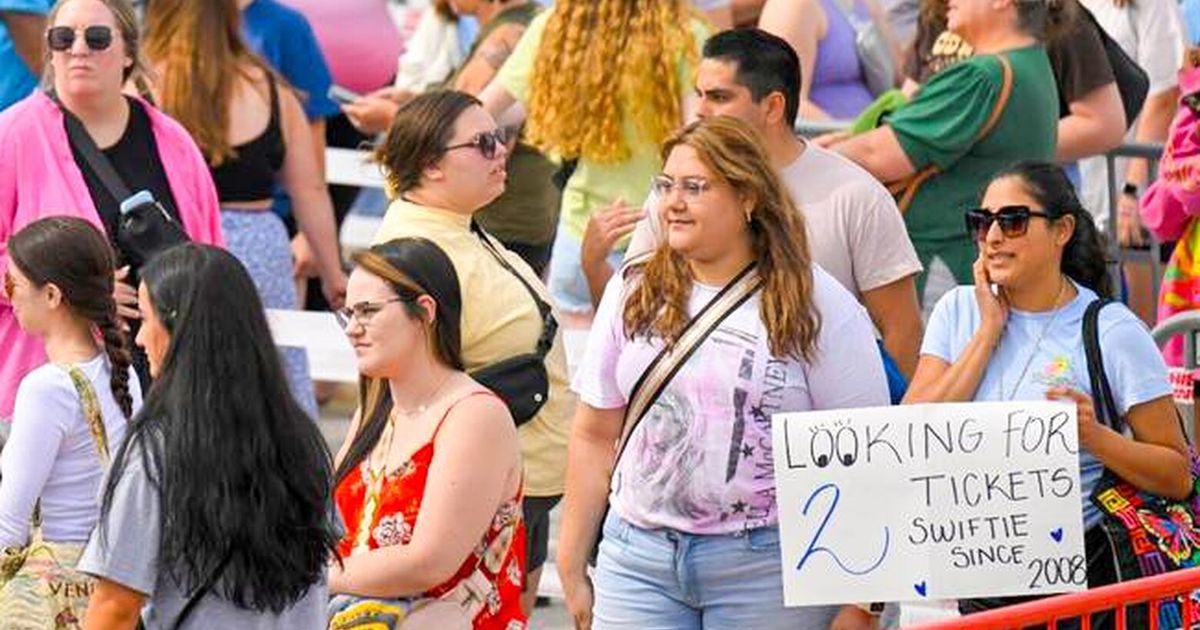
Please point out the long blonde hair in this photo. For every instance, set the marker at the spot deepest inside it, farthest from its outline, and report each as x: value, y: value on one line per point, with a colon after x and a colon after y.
x: 733, y: 152
x: 197, y: 47
x: 602, y: 62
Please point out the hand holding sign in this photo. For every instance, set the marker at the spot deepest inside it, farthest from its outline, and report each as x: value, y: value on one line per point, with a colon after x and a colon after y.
x: 929, y: 501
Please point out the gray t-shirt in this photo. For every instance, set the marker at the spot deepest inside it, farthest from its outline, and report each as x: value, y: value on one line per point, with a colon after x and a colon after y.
x: 127, y: 553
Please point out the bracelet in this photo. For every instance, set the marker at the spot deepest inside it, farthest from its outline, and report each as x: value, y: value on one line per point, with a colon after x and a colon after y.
x: 874, y: 608
x: 1132, y: 190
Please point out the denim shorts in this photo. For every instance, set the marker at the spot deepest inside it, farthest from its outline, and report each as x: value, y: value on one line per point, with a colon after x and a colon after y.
x: 668, y: 580
x: 566, y: 283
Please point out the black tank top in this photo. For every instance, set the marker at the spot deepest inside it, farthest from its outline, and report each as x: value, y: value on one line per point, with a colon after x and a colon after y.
x: 250, y: 174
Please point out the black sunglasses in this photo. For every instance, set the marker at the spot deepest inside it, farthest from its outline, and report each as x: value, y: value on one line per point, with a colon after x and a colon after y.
x: 1013, y: 220
x: 486, y: 142
x: 62, y: 38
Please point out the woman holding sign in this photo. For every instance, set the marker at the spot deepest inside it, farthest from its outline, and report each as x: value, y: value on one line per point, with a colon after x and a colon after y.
x: 755, y: 329
x: 1018, y: 335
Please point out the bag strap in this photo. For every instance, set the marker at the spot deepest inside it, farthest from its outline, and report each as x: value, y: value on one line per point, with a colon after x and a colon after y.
x: 79, y: 137
x: 200, y: 593
x: 91, y: 410
x: 673, y: 355
x: 908, y: 187
x: 549, y: 324
x: 1106, y: 408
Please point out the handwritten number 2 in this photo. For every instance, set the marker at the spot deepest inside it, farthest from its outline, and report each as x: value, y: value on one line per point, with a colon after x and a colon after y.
x: 813, y: 547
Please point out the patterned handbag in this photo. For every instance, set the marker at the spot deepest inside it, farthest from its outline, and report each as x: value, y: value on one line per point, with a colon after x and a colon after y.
x: 1149, y: 534
x: 39, y: 587
x: 455, y: 610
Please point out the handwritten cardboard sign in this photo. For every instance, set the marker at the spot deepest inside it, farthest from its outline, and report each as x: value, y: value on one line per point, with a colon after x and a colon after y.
x: 929, y: 502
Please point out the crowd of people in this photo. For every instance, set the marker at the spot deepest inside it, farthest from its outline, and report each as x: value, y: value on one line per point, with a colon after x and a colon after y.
x: 626, y: 167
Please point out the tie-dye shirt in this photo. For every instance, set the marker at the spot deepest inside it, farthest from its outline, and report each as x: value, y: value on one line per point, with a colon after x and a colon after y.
x: 700, y: 461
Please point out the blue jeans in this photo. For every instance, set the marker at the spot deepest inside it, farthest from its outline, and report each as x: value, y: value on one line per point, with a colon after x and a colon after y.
x: 568, y: 288
x: 669, y: 580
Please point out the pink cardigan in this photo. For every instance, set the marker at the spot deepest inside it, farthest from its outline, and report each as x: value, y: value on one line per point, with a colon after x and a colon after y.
x: 1174, y: 198
x: 39, y: 178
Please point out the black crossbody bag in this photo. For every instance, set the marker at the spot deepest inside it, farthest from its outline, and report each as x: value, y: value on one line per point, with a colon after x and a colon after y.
x: 520, y: 381
x: 144, y: 227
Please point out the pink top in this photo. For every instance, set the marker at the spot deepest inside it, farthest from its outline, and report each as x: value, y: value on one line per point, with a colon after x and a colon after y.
x: 359, y: 38
x: 39, y: 178
x: 1174, y: 198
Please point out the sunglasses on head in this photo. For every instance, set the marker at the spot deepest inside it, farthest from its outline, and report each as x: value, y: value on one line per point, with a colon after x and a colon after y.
x: 486, y: 142
x: 62, y: 38
x: 1013, y: 220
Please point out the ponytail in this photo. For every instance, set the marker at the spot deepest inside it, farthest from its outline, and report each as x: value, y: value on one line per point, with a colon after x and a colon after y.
x: 116, y: 346
x: 1085, y: 256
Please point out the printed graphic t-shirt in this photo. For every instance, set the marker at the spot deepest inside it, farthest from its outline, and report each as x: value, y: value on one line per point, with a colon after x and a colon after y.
x: 1134, y: 367
x: 701, y: 460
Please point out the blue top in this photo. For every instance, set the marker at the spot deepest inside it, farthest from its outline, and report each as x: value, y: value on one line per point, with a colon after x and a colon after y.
x: 1190, y: 9
x: 283, y: 36
x: 17, y: 80
x: 1132, y: 362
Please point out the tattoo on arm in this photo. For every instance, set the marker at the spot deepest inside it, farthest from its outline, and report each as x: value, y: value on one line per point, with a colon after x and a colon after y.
x: 496, y: 54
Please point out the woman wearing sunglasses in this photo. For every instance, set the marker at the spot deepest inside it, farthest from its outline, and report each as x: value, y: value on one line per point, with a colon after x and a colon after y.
x: 445, y: 159
x: 1017, y: 335
x: 429, y: 483
x: 253, y: 133
x: 93, y: 52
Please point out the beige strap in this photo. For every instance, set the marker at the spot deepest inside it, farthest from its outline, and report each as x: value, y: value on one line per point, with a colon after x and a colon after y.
x: 672, y: 357
x: 91, y: 410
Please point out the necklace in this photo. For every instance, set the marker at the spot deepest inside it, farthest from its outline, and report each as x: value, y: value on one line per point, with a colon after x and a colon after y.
x: 424, y: 406
x: 1037, y: 344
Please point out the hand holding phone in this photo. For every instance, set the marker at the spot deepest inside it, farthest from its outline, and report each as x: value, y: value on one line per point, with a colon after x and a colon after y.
x: 343, y: 95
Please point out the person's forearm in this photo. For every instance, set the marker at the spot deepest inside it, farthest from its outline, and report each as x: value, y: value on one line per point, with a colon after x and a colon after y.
x: 391, y: 572
x: 597, y: 275
x: 903, y: 343
x: 961, y: 379
x: 318, y: 134
x: 1156, y: 469
x: 27, y: 32
x: 110, y: 614
x: 589, y: 468
x: 1152, y: 128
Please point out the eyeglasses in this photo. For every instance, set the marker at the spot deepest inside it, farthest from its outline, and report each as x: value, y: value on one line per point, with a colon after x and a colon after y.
x: 1013, y: 220
x: 62, y: 38
x: 486, y: 142
x: 10, y: 285
x: 362, y: 312
x: 692, y: 187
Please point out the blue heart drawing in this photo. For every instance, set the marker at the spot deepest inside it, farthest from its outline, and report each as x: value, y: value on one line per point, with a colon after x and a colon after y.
x: 920, y: 588
x: 1056, y: 534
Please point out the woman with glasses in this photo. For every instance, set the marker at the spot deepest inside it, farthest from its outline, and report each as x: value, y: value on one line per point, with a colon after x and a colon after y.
x: 444, y: 158
x: 691, y: 540
x: 253, y: 133
x: 429, y: 483
x: 216, y: 512
x: 1017, y: 334
x: 93, y: 53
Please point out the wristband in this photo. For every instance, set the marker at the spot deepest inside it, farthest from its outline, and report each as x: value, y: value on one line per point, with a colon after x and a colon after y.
x: 1132, y: 190
x: 874, y: 608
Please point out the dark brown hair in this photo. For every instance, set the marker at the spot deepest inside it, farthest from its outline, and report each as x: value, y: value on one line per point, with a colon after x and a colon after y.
x: 85, y: 277
x: 419, y: 135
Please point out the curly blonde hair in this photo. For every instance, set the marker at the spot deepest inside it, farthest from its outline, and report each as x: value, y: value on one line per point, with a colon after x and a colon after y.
x: 601, y: 62
x: 657, y: 305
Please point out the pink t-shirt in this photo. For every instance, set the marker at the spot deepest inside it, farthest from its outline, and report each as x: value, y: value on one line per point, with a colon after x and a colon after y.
x: 701, y: 461
x: 39, y: 178
x: 359, y: 39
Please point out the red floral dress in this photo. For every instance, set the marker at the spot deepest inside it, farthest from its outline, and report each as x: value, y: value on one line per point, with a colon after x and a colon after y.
x: 391, y: 518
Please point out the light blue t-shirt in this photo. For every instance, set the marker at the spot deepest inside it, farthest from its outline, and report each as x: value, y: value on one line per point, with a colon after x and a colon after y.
x: 17, y: 80
x: 1190, y: 10
x: 1132, y: 362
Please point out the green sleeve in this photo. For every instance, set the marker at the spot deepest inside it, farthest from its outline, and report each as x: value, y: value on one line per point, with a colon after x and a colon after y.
x: 942, y: 122
x: 517, y: 71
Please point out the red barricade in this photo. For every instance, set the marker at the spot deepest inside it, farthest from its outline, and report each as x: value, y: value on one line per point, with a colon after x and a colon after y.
x: 1162, y: 592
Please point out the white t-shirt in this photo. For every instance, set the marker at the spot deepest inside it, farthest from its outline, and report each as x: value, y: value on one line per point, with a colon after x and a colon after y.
x: 51, y: 454
x: 1151, y: 33
x: 1021, y: 368
x: 855, y: 231
x: 700, y: 460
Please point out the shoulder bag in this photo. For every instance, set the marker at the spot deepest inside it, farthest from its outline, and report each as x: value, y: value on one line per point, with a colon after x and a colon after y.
x: 874, y: 57
x: 520, y: 381
x: 905, y: 190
